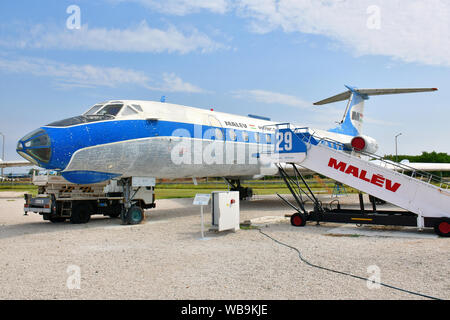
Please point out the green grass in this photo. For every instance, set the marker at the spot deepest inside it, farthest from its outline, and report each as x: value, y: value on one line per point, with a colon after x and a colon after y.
x: 19, y: 188
x: 172, y: 191
x: 166, y: 193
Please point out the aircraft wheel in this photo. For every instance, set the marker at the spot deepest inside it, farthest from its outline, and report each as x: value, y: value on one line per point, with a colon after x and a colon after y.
x: 135, y: 215
x: 442, y: 228
x: 298, y: 220
x: 81, y: 213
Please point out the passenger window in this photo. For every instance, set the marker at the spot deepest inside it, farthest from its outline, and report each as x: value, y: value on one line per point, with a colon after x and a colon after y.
x: 245, y: 136
x: 257, y: 137
x: 232, y: 134
x: 219, y: 135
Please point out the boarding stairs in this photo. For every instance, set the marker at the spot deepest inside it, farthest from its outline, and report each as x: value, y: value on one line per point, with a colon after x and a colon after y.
x: 420, y: 193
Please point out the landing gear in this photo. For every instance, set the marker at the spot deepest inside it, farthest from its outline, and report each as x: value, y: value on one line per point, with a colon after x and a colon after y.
x: 131, y: 213
x: 135, y: 215
x: 235, y: 185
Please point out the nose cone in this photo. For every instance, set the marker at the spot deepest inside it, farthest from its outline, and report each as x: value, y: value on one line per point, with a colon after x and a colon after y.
x: 36, y: 148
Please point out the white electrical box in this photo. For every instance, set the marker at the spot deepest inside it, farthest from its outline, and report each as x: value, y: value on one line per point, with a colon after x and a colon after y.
x: 225, y: 210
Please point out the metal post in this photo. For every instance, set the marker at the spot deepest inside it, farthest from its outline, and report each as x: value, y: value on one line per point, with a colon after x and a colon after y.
x: 361, y: 203
x: 396, y: 149
x: 3, y: 151
x: 203, y: 225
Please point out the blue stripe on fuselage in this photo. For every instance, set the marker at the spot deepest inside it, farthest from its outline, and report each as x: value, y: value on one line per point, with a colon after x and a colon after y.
x: 67, y: 140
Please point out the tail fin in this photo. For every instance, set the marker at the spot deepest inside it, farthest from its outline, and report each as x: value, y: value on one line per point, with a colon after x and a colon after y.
x: 352, y: 121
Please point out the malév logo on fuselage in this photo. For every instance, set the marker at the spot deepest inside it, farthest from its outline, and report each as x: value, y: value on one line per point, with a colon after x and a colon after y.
x: 376, y: 179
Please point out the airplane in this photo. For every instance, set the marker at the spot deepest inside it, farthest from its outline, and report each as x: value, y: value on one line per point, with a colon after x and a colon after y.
x: 10, y: 164
x: 127, y: 138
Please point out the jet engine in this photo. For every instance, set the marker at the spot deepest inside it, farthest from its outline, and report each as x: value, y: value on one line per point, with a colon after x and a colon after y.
x: 364, y: 144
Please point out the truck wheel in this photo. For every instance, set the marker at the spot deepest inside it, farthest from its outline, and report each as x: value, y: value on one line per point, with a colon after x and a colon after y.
x: 298, y: 220
x: 81, y: 213
x: 116, y: 211
x: 114, y: 215
x: 442, y: 228
x: 135, y: 215
x: 57, y: 219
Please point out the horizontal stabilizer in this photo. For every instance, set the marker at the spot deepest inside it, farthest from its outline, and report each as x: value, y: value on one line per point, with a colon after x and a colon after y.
x: 370, y: 92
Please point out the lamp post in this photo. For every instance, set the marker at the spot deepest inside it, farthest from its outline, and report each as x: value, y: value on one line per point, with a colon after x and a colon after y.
x: 396, y: 147
x: 3, y: 152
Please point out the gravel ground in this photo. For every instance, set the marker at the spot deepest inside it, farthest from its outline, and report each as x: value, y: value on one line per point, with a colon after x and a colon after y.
x: 164, y: 258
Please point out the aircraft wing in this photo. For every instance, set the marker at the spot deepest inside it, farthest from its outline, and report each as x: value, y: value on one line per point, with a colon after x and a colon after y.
x: 9, y: 164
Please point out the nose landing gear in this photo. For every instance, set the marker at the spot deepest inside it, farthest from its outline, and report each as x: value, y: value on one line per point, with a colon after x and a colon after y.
x: 131, y: 213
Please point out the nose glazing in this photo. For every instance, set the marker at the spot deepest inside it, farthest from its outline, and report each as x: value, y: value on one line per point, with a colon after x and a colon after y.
x: 35, y: 147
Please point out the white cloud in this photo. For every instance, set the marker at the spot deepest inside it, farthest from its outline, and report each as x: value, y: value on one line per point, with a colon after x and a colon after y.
x: 172, y: 83
x: 140, y: 38
x: 270, y: 97
x: 184, y: 7
x: 88, y: 76
x: 412, y: 31
x: 68, y: 75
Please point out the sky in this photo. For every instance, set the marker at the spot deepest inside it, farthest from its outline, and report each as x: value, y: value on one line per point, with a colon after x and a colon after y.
x: 273, y: 58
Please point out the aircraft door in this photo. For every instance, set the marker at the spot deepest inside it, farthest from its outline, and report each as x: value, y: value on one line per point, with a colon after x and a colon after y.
x: 219, y: 139
x: 152, y: 125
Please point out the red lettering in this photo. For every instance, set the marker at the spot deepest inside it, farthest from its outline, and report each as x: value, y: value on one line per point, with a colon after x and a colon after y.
x: 363, y: 176
x: 391, y: 187
x: 334, y: 164
x: 378, y: 180
x: 353, y: 170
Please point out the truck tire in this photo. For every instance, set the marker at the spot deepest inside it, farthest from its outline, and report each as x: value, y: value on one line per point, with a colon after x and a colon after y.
x: 135, y: 215
x: 116, y: 211
x: 114, y: 215
x: 57, y: 219
x: 81, y: 213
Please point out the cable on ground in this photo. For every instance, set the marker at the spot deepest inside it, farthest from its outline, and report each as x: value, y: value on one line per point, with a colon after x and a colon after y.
x: 343, y: 273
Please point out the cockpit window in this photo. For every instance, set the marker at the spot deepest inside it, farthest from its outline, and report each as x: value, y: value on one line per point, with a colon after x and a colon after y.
x: 43, y: 154
x: 36, y: 145
x: 128, y: 111
x: 112, y: 109
x: 137, y: 107
x: 93, y: 110
x: 40, y: 141
x: 33, y: 134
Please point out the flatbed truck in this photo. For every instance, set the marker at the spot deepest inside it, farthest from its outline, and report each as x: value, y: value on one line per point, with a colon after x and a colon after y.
x: 59, y: 200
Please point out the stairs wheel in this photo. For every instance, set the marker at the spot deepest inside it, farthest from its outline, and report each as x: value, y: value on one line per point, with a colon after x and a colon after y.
x: 442, y: 228
x: 298, y: 220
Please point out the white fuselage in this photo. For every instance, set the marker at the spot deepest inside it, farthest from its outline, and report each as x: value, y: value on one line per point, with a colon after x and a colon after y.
x: 164, y: 140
